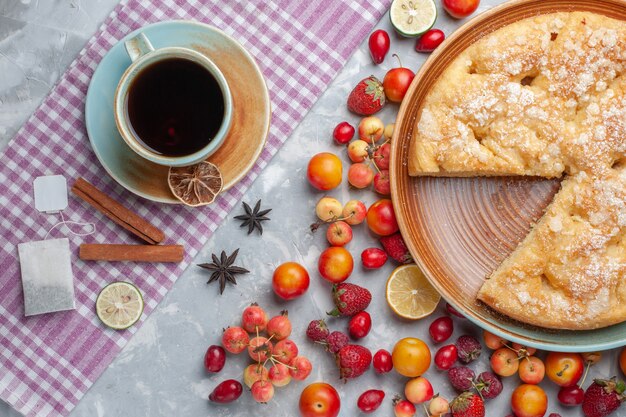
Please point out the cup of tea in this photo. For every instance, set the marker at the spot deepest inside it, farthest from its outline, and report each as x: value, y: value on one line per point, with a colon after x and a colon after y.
x: 172, y: 105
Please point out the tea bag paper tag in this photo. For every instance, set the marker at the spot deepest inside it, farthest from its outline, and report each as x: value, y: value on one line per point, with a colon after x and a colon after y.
x: 50, y: 193
x: 47, y: 277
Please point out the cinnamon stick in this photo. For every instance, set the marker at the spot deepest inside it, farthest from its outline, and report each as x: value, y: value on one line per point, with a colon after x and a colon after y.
x: 117, y: 212
x: 136, y: 253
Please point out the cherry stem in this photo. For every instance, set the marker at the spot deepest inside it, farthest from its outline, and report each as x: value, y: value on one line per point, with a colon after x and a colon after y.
x: 585, y: 375
x: 275, y: 361
x: 426, y: 410
x: 398, y: 58
x: 317, y: 224
x: 374, y: 163
x: 259, y: 356
x: 262, y: 378
x: 521, y: 353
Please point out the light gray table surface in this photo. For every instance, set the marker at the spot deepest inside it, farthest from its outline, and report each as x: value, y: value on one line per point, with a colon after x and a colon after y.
x: 160, y: 372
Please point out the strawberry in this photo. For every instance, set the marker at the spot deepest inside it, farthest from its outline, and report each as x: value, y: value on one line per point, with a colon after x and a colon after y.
x: 467, y: 405
x: 335, y: 341
x: 353, y: 361
x: 367, y: 97
x: 396, y: 248
x: 349, y: 299
x: 317, y: 331
x: 603, y: 397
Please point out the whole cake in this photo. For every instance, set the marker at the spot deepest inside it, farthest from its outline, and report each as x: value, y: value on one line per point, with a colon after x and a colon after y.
x: 544, y: 96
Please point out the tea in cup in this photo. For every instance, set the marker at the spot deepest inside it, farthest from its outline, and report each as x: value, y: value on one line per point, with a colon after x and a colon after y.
x: 172, y: 105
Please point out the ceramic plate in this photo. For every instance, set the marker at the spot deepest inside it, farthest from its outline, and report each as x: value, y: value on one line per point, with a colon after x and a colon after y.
x: 459, y: 230
x: 251, y: 109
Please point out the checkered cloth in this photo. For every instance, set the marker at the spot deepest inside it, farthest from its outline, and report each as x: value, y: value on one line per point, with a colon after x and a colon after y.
x: 48, y: 362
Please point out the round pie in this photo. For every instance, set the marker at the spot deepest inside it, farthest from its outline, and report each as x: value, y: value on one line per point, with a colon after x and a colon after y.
x: 545, y: 96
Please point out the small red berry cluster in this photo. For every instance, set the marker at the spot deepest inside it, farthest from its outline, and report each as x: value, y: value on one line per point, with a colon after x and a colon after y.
x: 269, y: 346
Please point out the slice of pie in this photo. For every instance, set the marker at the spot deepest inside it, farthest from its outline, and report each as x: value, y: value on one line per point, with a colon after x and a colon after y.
x: 544, y: 96
x: 568, y: 273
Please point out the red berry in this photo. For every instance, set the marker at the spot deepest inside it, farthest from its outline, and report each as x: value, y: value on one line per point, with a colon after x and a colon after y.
x: 335, y: 341
x: 488, y: 384
x: 382, y: 362
x: 459, y: 9
x: 370, y: 400
x: 262, y: 391
x: 445, y: 357
x: 468, y: 404
x: 360, y: 325
x: 353, y: 361
x: 382, y: 183
x: 343, y: 133
x: 373, y: 258
x: 317, y: 331
x: 603, y: 397
x: 226, y: 391
x: 367, y: 97
x: 461, y: 378
x: 379, y: 43
x: 254, y: 318
x: 215, y: 358
x: 441, y: 329
x: 382, y: 156
x: 429, y: 41
x: 469, y: 348
x: 279, y: 327
x: 235, y: 339
x: 403, y: 408
x: 397, y: 82
x: 396, y: 248
x: 300, y: 367
x: 571, y: 396
x: 349, y: 299
x: 454, y: 311
x: 285, y: 350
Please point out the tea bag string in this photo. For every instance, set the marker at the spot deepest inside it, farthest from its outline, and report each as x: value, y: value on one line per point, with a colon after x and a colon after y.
x: 66, y: 223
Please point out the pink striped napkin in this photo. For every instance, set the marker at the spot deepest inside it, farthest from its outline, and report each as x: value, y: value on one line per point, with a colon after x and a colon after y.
x: 48, y: 362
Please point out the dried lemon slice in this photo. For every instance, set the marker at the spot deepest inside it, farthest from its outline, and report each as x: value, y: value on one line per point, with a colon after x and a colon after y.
x: 196, y: 185
x: 119, y: 305
x: 409, y: 294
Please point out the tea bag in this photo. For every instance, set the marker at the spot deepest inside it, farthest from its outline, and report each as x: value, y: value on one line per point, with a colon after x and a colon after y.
x: 47, y: 277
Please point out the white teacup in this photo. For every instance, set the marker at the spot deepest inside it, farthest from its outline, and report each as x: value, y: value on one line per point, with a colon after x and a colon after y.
x: 143, y: 55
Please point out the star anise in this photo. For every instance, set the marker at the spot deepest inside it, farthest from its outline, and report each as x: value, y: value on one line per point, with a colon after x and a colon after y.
x: 223, y: 269
x: 253, y: 217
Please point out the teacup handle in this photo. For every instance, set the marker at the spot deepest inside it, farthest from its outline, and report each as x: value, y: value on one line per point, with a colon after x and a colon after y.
x: 138, y: 46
